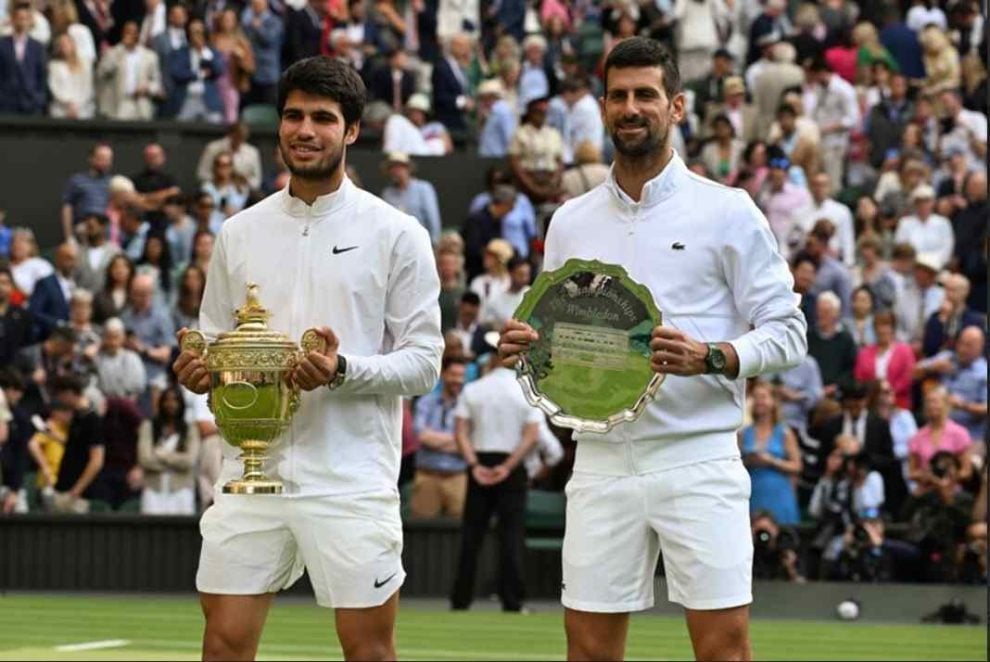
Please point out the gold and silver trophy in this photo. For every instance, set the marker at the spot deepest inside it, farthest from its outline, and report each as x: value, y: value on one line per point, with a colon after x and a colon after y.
x: 251, y: 393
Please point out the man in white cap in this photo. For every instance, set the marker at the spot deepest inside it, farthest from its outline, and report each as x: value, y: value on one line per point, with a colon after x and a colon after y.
x: 742, y: 115
x: 411, y: 132
x: 928, y: 232
x: 411, y: 195
x: 496, y: 118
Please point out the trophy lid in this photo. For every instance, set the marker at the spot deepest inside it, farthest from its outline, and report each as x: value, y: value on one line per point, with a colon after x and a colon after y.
x: 252, y: 326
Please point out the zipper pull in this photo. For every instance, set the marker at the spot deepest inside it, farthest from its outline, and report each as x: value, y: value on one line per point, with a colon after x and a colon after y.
x: 306, y: 230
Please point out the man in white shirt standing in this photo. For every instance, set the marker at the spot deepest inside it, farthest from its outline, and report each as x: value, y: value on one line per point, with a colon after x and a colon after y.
x: 843, y: 242
x: 500, y: 306
x: 321, y: 251
x: 672, y: 478
x: 584, y: 121
x: 836, y: 111
x: 927, y: 231
x: 495, y: 430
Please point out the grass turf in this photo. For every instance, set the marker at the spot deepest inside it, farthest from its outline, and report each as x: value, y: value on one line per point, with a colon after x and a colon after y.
x: 169, y: 628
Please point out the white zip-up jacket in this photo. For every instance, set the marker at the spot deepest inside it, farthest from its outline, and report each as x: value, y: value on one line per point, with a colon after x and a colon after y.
x: 707, y: 254
x: 353, y: 263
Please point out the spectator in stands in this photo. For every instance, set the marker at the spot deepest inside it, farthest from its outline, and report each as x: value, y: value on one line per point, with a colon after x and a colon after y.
x: 97, y: 252
x: 770, y: 452
x: 799, y: 390
x: 926, y: 231
x: 770, y: 82
x: 202, y: 249
x: 742, y: 115
x: 495, y: 430
x: 47, y: 445
x: 971, y: 239
x: 155, y: 183
x: 942, y: 69
x: 497, y: 119
x: 265, y: 32
x: 122, y: 474
x: 13, y: 450
x: 227, y: 188
x: 804, y: 270
x: 49, y: 304
x: 80, y: 473
x: 229, y: 41
x: 887, y: 359
x: 189, y: 296
x: 536, y: 155
x: 831, y: 345
x: 70, y: 82
x: 708, y: 88
x: 831, y: 275
x: 247, y: 159
x: 584, y: 120
x: 87, y: 192
x: 179, y: 228
x: 500, y: 306
x: 775, y: 549
x: 167, y: 43
x: 23, y: 67
x: 129, y: 79
x: 918, y: 298
x: 722, y: 153
x: 496, y: 256
x: 16, y: 324
x: 112, y: 297
x: 413, y: 133
x: 467, y: 329
x: 81, y: 322
x: 452, y: 94
x: 65, y: 20
x: 450, y: 268
x: 152, y: 334
x: 518, y: 227
x: 133, y: 231
x: 26, y: 267
x: 156, y: 261
x: 943, y: 327
x: 875, y: 274
x: 120, y: 372
x: 441, y: 481
x: 963, y: 373
x: 860, y: 323
x: 168, y: 447
x: 963, y: 129
x: 194, y: 69
x: 887, y: 119
x: 940, y: 434
x: 842, y: 245
x: 837, y: 113
x: 901, y: 422
x: 587, y: 172
x: 393, y: 82
x: 412, y: 195
x: 484, y: 225
x: 780, y: 199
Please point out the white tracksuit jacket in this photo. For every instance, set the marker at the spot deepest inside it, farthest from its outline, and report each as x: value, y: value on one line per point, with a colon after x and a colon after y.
x: 353, y: 263
x: 707, y: 254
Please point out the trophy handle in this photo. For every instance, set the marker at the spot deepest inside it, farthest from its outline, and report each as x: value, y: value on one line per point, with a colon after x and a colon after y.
x: 311, y: 341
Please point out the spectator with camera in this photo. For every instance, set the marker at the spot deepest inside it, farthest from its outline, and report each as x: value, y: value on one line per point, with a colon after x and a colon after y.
x: 941, y: 434
x: 776, y: 549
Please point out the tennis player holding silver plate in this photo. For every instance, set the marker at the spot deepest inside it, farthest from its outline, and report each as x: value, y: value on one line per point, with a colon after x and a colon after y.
x: 670, y: 479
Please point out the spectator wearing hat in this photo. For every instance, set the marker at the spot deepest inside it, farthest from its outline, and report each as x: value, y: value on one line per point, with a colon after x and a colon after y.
x: 534, y: 81
x: 536, y: 155
x: 927, y: 231
x: 766, y: 44
x: 452, y: 97
x: 411, y: 195
x: 836, y: 110
x: 497, y: 119
x: 587, y: 172
x: 780, y: 199
x: 708, y: 89
x: 918, y: 297
x: 742, y: 115
x: 411, y: 131
x: 723, y: 152
x: 778, y: 74
x: 773, y: 20
x: 583, y: 117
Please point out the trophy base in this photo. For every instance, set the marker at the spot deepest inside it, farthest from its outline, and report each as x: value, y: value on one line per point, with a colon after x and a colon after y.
x: 241, y: 486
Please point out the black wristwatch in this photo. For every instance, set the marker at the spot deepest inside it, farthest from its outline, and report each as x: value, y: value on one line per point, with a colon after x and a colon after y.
x: 714, y: 360
x: 340, y: 375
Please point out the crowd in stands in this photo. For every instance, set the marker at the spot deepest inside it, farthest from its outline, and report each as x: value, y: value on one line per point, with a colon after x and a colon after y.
x: 859, y: 129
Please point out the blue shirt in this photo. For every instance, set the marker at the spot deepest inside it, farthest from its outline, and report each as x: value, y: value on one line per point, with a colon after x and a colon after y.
x: 518, y: 226
x: 434, y: 414
x: 266, y: 41
x: 533, y: 84
x: 87, y: 194
x: 496, y: 134
x: 969, y: 383
x: 418, y: 199
x: 154, y: 328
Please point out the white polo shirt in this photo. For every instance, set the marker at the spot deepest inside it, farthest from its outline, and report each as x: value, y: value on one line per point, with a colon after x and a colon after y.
x: 498, y: 412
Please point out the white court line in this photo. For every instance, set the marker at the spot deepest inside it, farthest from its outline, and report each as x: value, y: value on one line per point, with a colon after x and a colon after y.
x: 92, y: 645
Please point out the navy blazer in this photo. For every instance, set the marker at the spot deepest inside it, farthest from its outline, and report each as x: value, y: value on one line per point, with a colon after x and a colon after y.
x: 48, y: 305
x: 446, y: 89
x: 181, y: 73
x: 381, y: 86
x: 23, y: 85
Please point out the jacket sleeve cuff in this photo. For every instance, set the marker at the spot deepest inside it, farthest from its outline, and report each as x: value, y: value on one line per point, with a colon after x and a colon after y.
x: 749, y: 357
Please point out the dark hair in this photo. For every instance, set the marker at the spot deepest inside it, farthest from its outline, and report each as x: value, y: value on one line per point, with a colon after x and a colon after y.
x: 452, y: 360
x: 786, y: 108
x: 188, y: 302
x: 643, y: 52
x: 12, y: 379
x: 164, y: 261
x: 64, y: 383
x: 822, y: 230
x: 325, y: 77
x: 747, y: 154
x: 108, y: 281
x: 471, y: 298
x: 514, y: 262
x: 574, y: 84
x: 63, y: 333
x: 195, y: 240
x: 801, y: 258
x: 101, y: 218
x: 853, y: 390
x: 868, y: 290
x: 884, y: 317
x: 4, y: 269
x: 179, y: 420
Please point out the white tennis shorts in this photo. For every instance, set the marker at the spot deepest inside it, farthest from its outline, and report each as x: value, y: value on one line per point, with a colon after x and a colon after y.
x: 697, y: 515
x: 350, y: 546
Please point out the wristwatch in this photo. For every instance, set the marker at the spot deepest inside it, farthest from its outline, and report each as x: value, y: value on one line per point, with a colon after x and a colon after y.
x: 340, y: 375
x: 714, y: 360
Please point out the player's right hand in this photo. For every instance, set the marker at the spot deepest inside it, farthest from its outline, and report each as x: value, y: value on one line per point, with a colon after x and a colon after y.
x: 514, y: 340
x: 190, y: 369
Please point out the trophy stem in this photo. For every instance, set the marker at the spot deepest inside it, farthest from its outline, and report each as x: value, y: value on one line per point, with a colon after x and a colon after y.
x: 254, y: 480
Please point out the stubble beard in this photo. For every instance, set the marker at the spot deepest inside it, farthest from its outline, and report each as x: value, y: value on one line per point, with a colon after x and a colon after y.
x: 650, y: 145
x: 322, y: 170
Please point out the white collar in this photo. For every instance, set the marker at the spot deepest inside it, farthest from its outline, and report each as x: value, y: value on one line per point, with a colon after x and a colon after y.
x: 655, y: 190
x: 323, y: 205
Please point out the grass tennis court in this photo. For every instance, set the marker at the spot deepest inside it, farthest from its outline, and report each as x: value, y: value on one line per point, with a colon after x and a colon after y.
x: 39, y: 627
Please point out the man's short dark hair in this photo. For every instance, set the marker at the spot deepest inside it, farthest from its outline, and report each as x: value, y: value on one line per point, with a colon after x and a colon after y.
x: 643, y: 52
x: 786, y: 109
x: 471, y: 298
x: 574, y: 84
x: 5, y: 270
x: 452, y: 360
x: 64, y: 383
x: 801, y: 258
x: 101, y: 218
x: 514, y: 262
x: 64, y: 334
x: 12, y: 379
x: 325, y: 77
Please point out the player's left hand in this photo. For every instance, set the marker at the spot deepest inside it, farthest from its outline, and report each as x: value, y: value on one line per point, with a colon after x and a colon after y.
x: 317, y: 368
x: 676, y: 353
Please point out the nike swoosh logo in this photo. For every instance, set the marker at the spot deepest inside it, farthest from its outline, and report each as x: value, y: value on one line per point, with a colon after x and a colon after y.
x: 379, y: 584
x: 338, y: 251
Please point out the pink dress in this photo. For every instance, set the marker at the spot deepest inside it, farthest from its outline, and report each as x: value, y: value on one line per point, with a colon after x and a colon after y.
x: 955, y: 439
